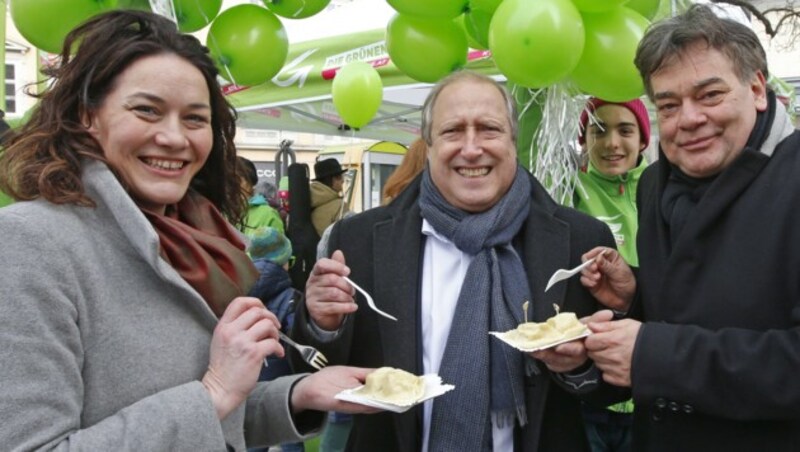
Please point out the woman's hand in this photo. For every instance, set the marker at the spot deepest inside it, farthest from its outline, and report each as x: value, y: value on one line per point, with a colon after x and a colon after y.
x: 246, y: 333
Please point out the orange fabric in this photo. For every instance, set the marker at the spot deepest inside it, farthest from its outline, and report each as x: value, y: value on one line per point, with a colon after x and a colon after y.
x: 205, y: 250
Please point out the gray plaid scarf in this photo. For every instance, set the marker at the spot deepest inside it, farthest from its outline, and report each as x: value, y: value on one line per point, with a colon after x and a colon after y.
x: 488, y: 376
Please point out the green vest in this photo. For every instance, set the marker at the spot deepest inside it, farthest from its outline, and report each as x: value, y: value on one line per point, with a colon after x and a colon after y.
x: 612, y: 200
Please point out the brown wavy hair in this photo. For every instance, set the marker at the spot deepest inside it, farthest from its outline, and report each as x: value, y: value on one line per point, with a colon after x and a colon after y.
x: 44, y: 159
x: 413, y: 163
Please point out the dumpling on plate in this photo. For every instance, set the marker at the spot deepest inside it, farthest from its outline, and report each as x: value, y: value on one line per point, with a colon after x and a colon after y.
x: 533, y: 335
x: 395, y: 386
x: 567, y: 323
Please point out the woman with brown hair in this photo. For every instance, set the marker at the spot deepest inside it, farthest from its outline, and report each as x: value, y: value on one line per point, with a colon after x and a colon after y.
x: 124, y: 326
x: 413, y: 163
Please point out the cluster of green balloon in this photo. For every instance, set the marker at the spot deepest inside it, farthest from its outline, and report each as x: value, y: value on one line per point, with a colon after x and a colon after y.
x: 357, y: 92
x: 248, y: 43
x: 35, y: 19
x: 535, y: 44
x: 647, y: 8
x: 190, y: 15
x: 296, y: 9
x: 423, y: 39
x: 193, y: 15
x: 592, y: 42
x: 606, y: 68
x: 441, y: 9
x: 425, y: 49
x: 477, y: 19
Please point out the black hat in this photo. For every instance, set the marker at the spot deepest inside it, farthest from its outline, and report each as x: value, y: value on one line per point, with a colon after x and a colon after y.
x: 326, y: 168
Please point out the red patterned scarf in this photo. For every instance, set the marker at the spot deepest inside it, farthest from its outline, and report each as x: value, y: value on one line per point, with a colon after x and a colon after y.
x: 205, y: 250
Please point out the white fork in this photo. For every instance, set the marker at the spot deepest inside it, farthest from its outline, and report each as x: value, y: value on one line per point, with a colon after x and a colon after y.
x: 370, y: 301
x: 563, y: 274
x: 311, y: 355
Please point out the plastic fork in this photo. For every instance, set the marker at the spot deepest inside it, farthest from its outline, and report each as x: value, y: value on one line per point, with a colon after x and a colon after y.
x: 370, y: 301
x: 311, y: 355
x: 563, y: 274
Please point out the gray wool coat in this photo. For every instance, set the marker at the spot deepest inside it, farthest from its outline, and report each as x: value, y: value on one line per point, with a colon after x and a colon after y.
x: 103, y: 344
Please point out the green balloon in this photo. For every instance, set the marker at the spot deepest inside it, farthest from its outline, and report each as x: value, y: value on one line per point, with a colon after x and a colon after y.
x: 606, y: 68
x: 141, y: 5
x: 447, y: 9
x: 248, y: 44
x: 357, y: 92
x: 596, y: 6
x: 193, y: 15
x: 486, y: 5
x: 535, y: 44
x: 647, y: 8
x: 471, y: 42
x: 296, y: 9
x: 476, y: 23
x: 45, y: 23
x: 425, y: 49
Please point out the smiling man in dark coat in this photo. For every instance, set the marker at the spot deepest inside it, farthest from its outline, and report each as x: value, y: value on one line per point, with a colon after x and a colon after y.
x: 455, y: 256
x: 715, y: 364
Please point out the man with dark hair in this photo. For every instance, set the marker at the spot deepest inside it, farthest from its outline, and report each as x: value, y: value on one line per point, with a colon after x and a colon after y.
x: 713, y: 363
x: 326, y: 198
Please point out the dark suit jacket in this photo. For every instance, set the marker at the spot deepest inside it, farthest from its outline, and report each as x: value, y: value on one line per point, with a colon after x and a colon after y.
x: 383, y: 248
x: 716, y: 365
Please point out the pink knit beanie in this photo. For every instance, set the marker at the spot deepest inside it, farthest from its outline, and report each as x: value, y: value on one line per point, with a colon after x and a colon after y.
x: 636, y: 107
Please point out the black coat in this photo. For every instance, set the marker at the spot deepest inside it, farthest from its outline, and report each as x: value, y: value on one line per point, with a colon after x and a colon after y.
x: 383, y: 248
x: 716, y: 366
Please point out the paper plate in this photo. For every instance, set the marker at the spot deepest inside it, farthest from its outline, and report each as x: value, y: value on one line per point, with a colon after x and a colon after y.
x: 433, y: 388
x: 502, y: 337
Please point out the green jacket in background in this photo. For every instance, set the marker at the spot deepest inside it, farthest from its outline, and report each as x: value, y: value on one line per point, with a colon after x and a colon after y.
x: 612, y: 199
x: 5, y: 199
x: 260, y: 214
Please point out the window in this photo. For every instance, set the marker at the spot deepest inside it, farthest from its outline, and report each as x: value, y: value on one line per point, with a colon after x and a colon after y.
x: 11, y: 88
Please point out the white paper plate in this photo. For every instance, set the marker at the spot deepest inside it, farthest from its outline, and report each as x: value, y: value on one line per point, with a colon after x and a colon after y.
x: 502, y: 337
x: 433, y: 388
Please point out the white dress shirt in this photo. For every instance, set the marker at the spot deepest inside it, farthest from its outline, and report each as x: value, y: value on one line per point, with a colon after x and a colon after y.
x: 443, y: 270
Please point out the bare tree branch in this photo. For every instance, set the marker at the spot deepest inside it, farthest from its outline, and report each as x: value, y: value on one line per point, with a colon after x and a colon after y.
x: 785, y: 16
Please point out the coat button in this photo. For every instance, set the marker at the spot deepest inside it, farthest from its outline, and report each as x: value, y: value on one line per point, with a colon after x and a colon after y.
x: 661, y: 403
x: 688, y: 409
x: 657, y: 417
x: 674, y: 407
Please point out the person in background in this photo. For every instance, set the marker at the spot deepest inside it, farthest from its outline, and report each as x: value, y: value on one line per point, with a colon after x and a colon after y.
x: 413, y: 163
x: 4, y: 128
x: 457, y: 254
x: 712, y: 349
x: 327, y: 205
x: 614, y: 136
x: 271, y: 252
x: 614, y: 141
x: 259, y: 213
x: 124, y: 325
